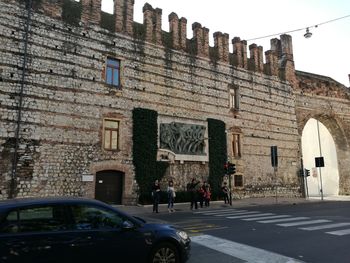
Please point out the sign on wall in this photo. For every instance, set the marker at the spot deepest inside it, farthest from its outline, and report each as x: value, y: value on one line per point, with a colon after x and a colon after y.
x: 274, y: 157
x: 87, y: 178
x: 183, y: 138
x: 319, y: 161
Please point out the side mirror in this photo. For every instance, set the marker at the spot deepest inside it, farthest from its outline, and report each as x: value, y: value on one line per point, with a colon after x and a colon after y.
x: 127, y: 225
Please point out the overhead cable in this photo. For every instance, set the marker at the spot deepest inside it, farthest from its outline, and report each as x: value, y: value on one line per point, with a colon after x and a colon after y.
x: 299, y: 29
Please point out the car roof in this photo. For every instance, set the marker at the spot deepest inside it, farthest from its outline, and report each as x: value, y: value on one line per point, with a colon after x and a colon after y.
x: 9, y: 204
x: 19, y: 202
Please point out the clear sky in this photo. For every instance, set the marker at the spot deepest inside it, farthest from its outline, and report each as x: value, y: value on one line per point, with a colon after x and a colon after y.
x: 325, y: 53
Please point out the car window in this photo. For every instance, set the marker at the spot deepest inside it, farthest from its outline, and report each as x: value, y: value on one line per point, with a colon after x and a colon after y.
x: 90, y: 217
x: 35, y: 219
x: 10, y: 223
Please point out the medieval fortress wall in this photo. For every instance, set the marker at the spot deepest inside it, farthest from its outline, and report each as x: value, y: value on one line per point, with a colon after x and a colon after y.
x: 65, y: 95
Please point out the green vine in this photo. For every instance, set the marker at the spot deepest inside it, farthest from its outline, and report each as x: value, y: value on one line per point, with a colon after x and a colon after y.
x: 217, y: 154
x: 147, y: 169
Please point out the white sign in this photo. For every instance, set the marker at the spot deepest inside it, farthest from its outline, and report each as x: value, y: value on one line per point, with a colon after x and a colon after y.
x: 87, y: 178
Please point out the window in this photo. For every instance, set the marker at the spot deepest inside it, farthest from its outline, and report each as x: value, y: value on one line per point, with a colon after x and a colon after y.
x: 35, y: 219
x: 88, y: 217
x: 113, y: 72
x: 236, y: 145
x: 10, y: 223
x: 111, y: 134
x: 238, y: 180
x: 234, y: 98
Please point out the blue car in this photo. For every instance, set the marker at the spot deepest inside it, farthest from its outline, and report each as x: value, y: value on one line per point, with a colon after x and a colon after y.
x: 77, y: 230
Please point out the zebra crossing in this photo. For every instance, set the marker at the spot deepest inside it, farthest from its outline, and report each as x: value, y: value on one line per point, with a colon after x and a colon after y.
x: 301, y: 222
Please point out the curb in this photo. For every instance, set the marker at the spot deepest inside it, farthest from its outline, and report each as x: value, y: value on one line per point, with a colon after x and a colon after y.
x: 236, y: 203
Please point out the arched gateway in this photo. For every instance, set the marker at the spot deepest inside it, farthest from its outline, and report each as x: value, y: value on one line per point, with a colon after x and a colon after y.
x: 317, y: 141
x: 322, y: 136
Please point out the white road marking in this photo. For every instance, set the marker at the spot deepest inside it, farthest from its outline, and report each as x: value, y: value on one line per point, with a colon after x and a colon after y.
x: 283, y: 220
x: 244, y: 252
x: 226, y: 212
x: 216, y: 211
x: 325, y: 226
x: 247, y: 216
x: 340, y: 232
x: 309, y: 222
x: 265, y: 217
x: 238, y: 213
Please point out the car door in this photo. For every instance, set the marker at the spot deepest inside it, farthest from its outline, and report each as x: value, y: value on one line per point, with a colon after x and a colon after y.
x: 101, y: 234
x: 33, y: 234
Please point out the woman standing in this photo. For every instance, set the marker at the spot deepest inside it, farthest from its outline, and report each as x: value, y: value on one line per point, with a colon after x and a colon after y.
x: 226, y: 191
x: 207, y: 195
x: 155, y: 196
x: 171, y: 196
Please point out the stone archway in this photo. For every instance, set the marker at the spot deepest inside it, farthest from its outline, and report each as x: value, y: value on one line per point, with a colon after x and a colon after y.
x: 336, y: 130
x: 317, y: 141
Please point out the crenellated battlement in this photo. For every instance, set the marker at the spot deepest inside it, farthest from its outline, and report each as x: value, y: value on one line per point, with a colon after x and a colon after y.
x: 201, y: 39
x: 221, y: 43
x: 152, y: 20
x: 178, y: 31
x: 240, y: 58
x: 278, y: 60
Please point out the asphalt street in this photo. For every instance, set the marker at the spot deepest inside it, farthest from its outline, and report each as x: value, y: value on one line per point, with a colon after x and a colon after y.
x: 264, y: 231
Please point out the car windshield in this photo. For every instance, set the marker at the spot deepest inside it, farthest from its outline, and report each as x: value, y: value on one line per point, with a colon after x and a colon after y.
x: 89, y: 217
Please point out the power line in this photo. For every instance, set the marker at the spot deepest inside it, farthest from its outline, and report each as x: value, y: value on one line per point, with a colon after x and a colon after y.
x: 299, y: 29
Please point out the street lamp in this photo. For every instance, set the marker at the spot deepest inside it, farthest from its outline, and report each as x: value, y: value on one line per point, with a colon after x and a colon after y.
x: 308, y: 34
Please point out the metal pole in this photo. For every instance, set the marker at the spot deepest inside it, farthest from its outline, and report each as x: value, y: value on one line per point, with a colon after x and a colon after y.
x: 275, y: 171
x: 19, y: 117
x: 307, y: 189
x: 229, y: 185
x: 319, y: 145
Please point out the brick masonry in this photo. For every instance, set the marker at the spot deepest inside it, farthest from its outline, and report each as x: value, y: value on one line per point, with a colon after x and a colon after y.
x: 65, y: 99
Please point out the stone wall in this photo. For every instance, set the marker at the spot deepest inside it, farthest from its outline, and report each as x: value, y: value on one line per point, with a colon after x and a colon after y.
x: 65, y: 98
x: 326, y: 100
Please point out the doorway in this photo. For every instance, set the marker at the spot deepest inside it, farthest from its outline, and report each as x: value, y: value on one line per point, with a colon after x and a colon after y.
x: 109, y: 186
x: 317, y: 141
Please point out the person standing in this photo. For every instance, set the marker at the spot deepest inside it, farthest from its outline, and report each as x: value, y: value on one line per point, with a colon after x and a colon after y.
x: 171, y: 196
x: 156, y: 196
x: 193, y: 193
x: 226, y: 191
x: 207, y: 195
x: 201, y: 192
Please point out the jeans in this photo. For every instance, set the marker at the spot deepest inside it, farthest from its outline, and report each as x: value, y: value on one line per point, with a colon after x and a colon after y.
x: 170, y: 202
x: 155, y: 202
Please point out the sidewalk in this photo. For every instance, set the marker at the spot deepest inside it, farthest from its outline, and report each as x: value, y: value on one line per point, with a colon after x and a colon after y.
x: 236, y: 203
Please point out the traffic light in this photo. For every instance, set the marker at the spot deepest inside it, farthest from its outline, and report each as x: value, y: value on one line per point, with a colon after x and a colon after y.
x: 226, y: 168
x: 231, y: 168
x: 307, y: 172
